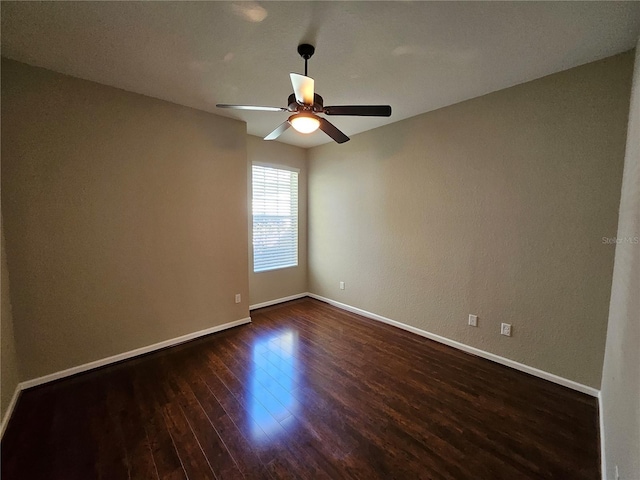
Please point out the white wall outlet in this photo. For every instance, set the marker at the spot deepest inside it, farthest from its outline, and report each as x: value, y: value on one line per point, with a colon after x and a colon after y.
x: 505, y: 329
x: 473, y: 320
x: 341, y: 285
x: 238, y: 298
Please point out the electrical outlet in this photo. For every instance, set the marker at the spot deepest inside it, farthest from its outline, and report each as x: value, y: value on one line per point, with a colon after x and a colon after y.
x: 505, y: 329
x: 617, y: 473
x: 473, y: 320
x: 341, y: 285
x: 238, y: 298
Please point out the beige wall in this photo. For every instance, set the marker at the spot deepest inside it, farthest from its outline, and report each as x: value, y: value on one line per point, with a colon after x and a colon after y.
x: 620, y: 394
x: 495, y: 206
x: 125, y: 218
x: 275, y: 284
x: 9, y: 370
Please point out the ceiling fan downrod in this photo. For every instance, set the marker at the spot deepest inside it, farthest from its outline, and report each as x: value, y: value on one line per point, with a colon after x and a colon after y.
x: 306, y: 51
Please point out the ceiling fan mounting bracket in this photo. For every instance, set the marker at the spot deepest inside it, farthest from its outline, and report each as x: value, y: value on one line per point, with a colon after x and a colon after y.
x: 306, y: 51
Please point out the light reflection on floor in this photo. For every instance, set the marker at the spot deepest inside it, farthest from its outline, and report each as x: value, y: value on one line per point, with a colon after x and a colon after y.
x: 274, y: 377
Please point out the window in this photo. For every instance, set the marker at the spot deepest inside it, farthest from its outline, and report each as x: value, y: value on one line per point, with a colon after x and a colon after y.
x: 275, y: 218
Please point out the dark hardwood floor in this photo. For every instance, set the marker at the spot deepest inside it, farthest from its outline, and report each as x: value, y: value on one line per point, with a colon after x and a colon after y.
x: 305, y: 391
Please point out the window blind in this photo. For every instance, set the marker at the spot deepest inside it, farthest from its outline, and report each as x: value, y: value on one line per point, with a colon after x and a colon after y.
x: 275, y: 218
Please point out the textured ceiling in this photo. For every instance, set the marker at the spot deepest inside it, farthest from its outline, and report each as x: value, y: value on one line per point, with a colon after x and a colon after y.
x: 415, y: 56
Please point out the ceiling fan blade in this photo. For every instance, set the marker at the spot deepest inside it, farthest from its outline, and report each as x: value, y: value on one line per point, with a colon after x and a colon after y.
x: 278, y: 131
x: 359, y: 110
x: 252, y: 107
x: 330, y: 129
x: 303, y: 88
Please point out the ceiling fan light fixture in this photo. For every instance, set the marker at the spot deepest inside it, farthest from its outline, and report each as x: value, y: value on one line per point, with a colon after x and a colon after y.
x: 305, y: 122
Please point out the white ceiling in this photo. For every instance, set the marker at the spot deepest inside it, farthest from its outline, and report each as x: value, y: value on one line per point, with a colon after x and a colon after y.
x: 414, y: 56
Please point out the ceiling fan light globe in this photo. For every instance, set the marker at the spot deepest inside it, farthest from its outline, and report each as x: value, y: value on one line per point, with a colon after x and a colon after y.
x: 305, y: 123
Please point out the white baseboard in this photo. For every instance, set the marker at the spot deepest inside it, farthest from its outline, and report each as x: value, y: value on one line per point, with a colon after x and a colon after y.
x: 278, y: 300
x: 133, y: 353
x: 465, y: 348
x: 603, y: 458
x: 9, y: 412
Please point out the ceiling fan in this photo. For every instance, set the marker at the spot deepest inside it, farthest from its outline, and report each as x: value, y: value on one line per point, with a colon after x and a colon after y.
x: 306, y: 105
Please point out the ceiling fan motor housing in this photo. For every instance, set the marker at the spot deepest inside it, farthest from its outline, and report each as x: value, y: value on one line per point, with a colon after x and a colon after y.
x: 294, y: 106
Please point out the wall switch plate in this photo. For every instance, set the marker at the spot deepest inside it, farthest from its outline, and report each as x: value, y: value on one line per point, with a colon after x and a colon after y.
x: 341, y: 285
x: 473, y: 320
x: 505, y: 329
x: 238, y: 298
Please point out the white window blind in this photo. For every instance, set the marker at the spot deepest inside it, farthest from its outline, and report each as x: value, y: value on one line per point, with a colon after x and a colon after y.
x: 275, y: 218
